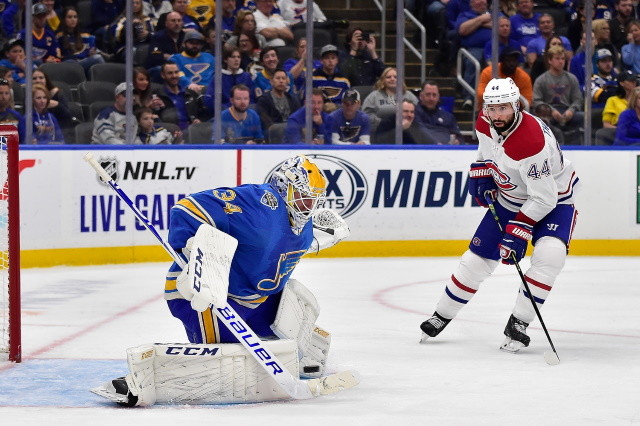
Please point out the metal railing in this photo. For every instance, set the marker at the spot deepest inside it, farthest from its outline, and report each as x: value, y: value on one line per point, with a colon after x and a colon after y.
x: 465, y: 85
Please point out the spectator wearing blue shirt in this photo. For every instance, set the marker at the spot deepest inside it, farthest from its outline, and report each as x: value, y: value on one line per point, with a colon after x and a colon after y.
x: 628, y: 128
x: 45, y: 44
x: 46, y: 129
x: 197, y: 67
x: 320, y: 128
x: 631, y: 51
x: 232, y: 75
x: 180, y: 105
x: 504, y: 39
x: 524, y: 24
x: 474, y: 29
x: 349, y: 125
x: 536, y: 47
x: 241, y: 125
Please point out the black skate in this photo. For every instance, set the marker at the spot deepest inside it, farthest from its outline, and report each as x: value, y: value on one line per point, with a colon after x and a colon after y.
x: 433, y: 326
x: 516, y: 332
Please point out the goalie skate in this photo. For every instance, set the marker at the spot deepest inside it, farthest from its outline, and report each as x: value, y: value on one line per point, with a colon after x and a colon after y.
x: 516, y: 332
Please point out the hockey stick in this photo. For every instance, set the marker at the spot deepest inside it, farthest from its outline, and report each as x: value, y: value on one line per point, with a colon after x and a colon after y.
x: 294, y: 387
x: 550, y: 358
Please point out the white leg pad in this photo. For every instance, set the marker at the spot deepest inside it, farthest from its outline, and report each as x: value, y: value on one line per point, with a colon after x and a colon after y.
x: 201, y: 374
x: 295, y: 319
x: 141, y: 379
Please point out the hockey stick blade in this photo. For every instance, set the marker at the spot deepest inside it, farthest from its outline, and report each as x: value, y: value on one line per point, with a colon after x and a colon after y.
x: 333, y: 383
x: 551, y: 358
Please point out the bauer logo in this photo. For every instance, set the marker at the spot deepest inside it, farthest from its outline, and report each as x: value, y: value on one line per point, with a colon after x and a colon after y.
x: 346, y: 185
x: 110, y: 164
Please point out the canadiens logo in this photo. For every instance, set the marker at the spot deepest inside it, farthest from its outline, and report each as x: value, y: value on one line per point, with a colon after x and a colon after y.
x: 502, y: 180
x: 269, y: 200
x: 110, y: 164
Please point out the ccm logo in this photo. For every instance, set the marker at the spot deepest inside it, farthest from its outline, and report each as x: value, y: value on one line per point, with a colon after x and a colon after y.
x: 197, y: 270
x: 191, y: 350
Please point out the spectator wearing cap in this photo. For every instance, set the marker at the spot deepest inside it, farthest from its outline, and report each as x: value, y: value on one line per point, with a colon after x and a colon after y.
x: 603, y: 81
x: 197, y: 67
x: 382, y: 101
x: 627, y: 82
x: 277, y: 104
x: 631, y: 51
x: 109, y: 125
x: 14, y: 59
x: 320, y: 128
x: 271, y: 25
x: 507, y: 67
x: 504, y: 39
x: 628, y: 129
x: 45, y: 44
x: 440, y: 125
x: 7, y: 114
x: 349, y: 125
x: 328, y: 78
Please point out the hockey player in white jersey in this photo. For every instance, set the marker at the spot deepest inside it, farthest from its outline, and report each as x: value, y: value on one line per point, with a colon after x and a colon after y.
x: 521, y: 168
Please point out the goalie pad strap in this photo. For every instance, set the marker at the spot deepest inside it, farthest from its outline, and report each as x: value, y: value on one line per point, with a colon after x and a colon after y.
x: 205, y: 374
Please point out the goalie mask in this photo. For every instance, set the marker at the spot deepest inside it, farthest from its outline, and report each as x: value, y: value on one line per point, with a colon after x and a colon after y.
x: 302, y: 186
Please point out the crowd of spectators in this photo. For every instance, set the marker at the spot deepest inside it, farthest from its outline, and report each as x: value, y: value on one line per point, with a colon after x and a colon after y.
x: 541, y: 46
x: 263, y: 76
x: 547, y: 39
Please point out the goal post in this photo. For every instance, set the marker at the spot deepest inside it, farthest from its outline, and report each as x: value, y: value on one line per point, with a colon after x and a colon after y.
x: 10, y: 338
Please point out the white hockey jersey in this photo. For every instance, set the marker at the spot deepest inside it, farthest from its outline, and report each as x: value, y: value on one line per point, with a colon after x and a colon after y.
x: 527, y: 165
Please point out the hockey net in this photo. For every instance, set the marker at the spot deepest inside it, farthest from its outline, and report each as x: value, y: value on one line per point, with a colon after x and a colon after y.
x: 10, y: 339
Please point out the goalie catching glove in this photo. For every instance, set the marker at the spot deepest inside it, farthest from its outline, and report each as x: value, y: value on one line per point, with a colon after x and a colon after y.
x: 329, y: 228
x: 205, y: 279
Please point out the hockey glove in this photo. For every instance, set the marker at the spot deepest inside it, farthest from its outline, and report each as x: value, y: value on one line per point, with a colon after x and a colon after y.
x: 515, y: 239
x: 481, y: 181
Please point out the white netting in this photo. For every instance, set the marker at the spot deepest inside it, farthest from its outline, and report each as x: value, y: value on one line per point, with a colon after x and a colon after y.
x: 4, y: 249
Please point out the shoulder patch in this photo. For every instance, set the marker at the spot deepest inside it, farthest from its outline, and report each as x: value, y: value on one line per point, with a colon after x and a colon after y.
x: 526, y: 140
x: 269, y: 200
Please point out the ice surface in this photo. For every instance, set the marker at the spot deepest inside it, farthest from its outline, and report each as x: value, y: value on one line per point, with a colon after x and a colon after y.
x: 77, y: 323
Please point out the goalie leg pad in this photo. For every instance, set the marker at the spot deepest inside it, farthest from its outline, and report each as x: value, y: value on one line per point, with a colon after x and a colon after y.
x: 199, y: 374
x: 295, y: 319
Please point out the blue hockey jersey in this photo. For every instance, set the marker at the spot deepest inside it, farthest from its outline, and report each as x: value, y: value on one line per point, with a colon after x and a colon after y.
x: 268, y: 250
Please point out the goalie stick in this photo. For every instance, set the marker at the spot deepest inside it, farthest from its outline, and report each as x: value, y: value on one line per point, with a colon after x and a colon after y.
x: 550, y: 357
x: 294, y: 387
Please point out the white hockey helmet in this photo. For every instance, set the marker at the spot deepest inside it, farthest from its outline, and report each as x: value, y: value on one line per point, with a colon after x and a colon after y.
x: 501, y: 91
x: 302, y: 186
